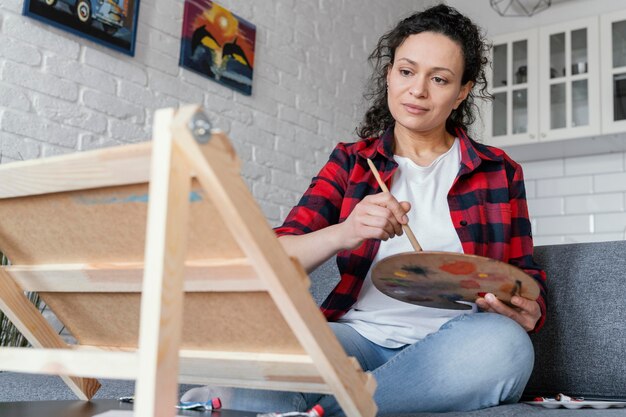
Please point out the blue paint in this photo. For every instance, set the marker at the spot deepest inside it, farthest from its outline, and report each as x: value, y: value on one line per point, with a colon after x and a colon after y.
x: 194, y: 197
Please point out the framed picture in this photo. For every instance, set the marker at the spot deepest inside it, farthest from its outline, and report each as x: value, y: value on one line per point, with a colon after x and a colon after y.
x: 218, y: 44
x: 112, y: 23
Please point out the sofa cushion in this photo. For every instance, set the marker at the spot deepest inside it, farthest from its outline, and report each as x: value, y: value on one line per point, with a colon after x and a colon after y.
x: 581, y: 351
x: 323, y: 280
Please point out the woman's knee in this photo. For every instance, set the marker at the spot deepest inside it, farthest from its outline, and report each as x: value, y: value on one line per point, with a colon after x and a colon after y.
x: 495, y: 359
x: 508, y: 339
x: 493, y: 345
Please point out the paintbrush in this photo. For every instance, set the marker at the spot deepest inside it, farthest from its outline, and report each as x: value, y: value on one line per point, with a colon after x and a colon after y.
x: 405, y: 227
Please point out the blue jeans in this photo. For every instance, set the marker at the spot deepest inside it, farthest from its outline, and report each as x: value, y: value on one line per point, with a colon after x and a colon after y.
x: 474, y: 361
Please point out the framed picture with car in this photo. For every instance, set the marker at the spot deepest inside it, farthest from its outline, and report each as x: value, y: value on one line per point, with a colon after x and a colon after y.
x: 112, y: 23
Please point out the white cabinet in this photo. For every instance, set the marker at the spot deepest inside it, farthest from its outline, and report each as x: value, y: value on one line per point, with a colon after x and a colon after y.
x: 613, y: 52
x: 513, y: 80
x: 569, y: 80
x: 545, y: 84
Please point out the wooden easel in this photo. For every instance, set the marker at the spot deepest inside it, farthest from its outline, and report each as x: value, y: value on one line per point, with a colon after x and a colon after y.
x: 184, y: 280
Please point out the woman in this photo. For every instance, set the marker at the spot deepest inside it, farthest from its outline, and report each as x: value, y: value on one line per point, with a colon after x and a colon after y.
x: 458, y: 196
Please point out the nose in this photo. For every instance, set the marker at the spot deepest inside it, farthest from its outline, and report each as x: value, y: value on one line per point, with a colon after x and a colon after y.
x: 418, y: 88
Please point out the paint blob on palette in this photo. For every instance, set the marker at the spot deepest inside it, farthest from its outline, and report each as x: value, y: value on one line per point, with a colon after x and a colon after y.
x: 444, y: 279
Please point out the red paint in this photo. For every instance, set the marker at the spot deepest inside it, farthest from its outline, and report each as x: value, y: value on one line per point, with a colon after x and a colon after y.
x: 459, y: 268
x: 469, y: 283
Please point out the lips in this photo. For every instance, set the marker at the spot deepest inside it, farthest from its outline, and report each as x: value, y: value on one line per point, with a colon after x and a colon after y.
x: 414, y: 109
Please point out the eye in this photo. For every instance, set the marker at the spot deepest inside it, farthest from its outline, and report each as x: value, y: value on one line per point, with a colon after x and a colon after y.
x: 439, y: 80
x: 405, y: 72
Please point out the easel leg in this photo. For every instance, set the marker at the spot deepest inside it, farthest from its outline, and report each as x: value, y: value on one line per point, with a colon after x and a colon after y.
x: 36, y: 329
x: 162, y: 296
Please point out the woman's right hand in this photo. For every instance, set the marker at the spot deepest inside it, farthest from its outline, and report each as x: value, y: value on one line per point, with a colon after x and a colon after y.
x: 377, y: 216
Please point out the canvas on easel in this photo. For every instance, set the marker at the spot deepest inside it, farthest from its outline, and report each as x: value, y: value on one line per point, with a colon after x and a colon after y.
x: 160, y: 263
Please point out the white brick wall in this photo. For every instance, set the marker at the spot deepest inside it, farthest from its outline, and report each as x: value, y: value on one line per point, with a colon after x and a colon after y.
x: 60, y: 93
x: 579, y: 199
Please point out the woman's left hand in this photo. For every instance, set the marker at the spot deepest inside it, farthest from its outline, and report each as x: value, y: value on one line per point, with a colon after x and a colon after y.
x: 526, y: 312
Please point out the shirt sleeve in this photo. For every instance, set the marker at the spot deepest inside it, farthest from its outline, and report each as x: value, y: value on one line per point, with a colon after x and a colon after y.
x: 521, y: 245
x: 320, y: 205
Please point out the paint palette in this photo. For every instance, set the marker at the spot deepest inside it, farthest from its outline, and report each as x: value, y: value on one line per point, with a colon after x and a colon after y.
x: 441, y: 279
x: 572, y: 405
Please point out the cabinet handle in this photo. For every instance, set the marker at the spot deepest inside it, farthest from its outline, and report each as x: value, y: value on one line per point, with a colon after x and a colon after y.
x: 543, y: 135
x: 532, y: 136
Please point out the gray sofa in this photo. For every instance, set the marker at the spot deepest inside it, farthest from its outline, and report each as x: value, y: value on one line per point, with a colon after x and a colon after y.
x: 580, y: 352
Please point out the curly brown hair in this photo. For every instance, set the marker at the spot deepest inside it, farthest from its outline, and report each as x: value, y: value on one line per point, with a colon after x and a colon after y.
x: 441, y: 19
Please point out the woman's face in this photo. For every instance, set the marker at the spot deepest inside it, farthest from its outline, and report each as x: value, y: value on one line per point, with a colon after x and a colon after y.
x: 424, y: 82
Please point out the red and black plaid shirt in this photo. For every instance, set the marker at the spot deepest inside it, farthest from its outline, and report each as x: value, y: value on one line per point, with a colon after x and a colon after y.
x: 487, y: 205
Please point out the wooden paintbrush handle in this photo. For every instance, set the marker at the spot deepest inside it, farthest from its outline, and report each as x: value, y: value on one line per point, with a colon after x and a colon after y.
x: 405, y: 227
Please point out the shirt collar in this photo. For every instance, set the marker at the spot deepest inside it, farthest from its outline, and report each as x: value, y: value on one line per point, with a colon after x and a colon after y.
x: 383, y: 146
x: 473, y: 153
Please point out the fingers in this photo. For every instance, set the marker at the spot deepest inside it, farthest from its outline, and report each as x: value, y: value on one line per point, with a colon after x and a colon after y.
x: 376, y: 228
x: 526, y: 305
x: 405, y: 206
x: 484, y: 305
x: 377, y: 216
x: 499, y: 307
x: 388, y: 211
x: 376, y: 233
x: 388, y: 201
x: 398, y: 210
x: 526, y: 312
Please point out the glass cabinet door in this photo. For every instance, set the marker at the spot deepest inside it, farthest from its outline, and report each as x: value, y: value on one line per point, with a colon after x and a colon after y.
x: 580, y: 96
x: 558, y: 118
x: 513, y: 84
x: 569, y: 71
x: 613, y: 42
x: 500, y: 82
x: 519, y: 108
x: 618, y: 55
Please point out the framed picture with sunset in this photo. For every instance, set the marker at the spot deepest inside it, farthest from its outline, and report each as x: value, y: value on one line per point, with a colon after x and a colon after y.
x: 218, y: 44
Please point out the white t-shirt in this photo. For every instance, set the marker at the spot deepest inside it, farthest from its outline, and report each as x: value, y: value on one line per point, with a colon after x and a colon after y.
x: 380, y: 318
